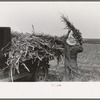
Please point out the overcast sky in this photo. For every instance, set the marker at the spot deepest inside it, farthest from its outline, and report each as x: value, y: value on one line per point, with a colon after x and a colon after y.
x: 45, y: 16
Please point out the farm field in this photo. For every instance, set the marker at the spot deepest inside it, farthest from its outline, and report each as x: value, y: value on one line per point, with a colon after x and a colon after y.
x: 88, y: 64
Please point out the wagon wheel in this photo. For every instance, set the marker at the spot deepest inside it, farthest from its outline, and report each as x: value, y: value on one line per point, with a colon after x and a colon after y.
x: 41, y: 73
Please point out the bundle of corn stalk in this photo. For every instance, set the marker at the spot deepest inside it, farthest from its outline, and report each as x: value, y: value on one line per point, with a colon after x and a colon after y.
x: 77, y: 34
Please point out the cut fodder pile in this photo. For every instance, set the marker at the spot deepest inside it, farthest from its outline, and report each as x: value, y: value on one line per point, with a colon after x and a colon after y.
x: 36, y: 46
x: 32, y: 46
x: 77, y: 34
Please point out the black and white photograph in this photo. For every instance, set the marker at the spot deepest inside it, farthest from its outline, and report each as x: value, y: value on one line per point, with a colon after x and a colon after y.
x: 50, y: 42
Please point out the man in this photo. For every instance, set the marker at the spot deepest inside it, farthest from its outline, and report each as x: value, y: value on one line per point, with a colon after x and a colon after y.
x: 72, y: 48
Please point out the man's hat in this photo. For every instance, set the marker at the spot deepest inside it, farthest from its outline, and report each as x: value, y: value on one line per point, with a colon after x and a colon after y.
x: 71, y: 40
